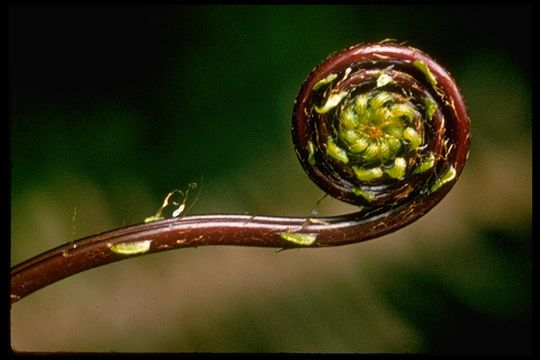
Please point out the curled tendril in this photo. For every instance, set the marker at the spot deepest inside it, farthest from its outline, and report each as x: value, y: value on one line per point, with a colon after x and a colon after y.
x: 382, y: 126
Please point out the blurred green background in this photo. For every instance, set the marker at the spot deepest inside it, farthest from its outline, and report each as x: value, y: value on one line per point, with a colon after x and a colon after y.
x: 113, y: 107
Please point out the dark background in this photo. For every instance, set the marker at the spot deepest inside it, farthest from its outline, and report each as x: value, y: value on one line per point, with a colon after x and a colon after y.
x: 111, y: 107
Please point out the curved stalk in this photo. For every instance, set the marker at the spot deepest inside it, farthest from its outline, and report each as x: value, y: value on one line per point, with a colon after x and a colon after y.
x: 382, y: 126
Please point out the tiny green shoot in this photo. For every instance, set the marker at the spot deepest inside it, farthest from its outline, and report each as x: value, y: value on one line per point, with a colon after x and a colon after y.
x: 369, y: 196
x: 332, y: 101
x: 448, y: 176
x: 131, y: 248
x: 384, y: 79
x: 425, y: 165
x: 367, y: 174
x: 397, y: 170
x: 325, y: 81
x: 413, y: 137
x: 311, y: 153
x: 431, y: 107
x: 336, y: 152
x: 171, y: 203
x: 425, y: 69
x: 299, y: 239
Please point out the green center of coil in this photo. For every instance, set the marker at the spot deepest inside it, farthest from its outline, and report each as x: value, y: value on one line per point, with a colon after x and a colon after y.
x: 375, y: 133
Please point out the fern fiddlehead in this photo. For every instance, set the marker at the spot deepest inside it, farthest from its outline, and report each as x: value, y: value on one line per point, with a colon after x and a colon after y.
x: 381, y: 126
x: 384, y: 127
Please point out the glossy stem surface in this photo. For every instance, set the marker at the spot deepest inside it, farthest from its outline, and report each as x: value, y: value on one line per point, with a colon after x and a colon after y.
x: 192, y: 231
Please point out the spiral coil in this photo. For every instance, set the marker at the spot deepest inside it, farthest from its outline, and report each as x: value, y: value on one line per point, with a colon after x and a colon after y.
x: 380, y: 126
